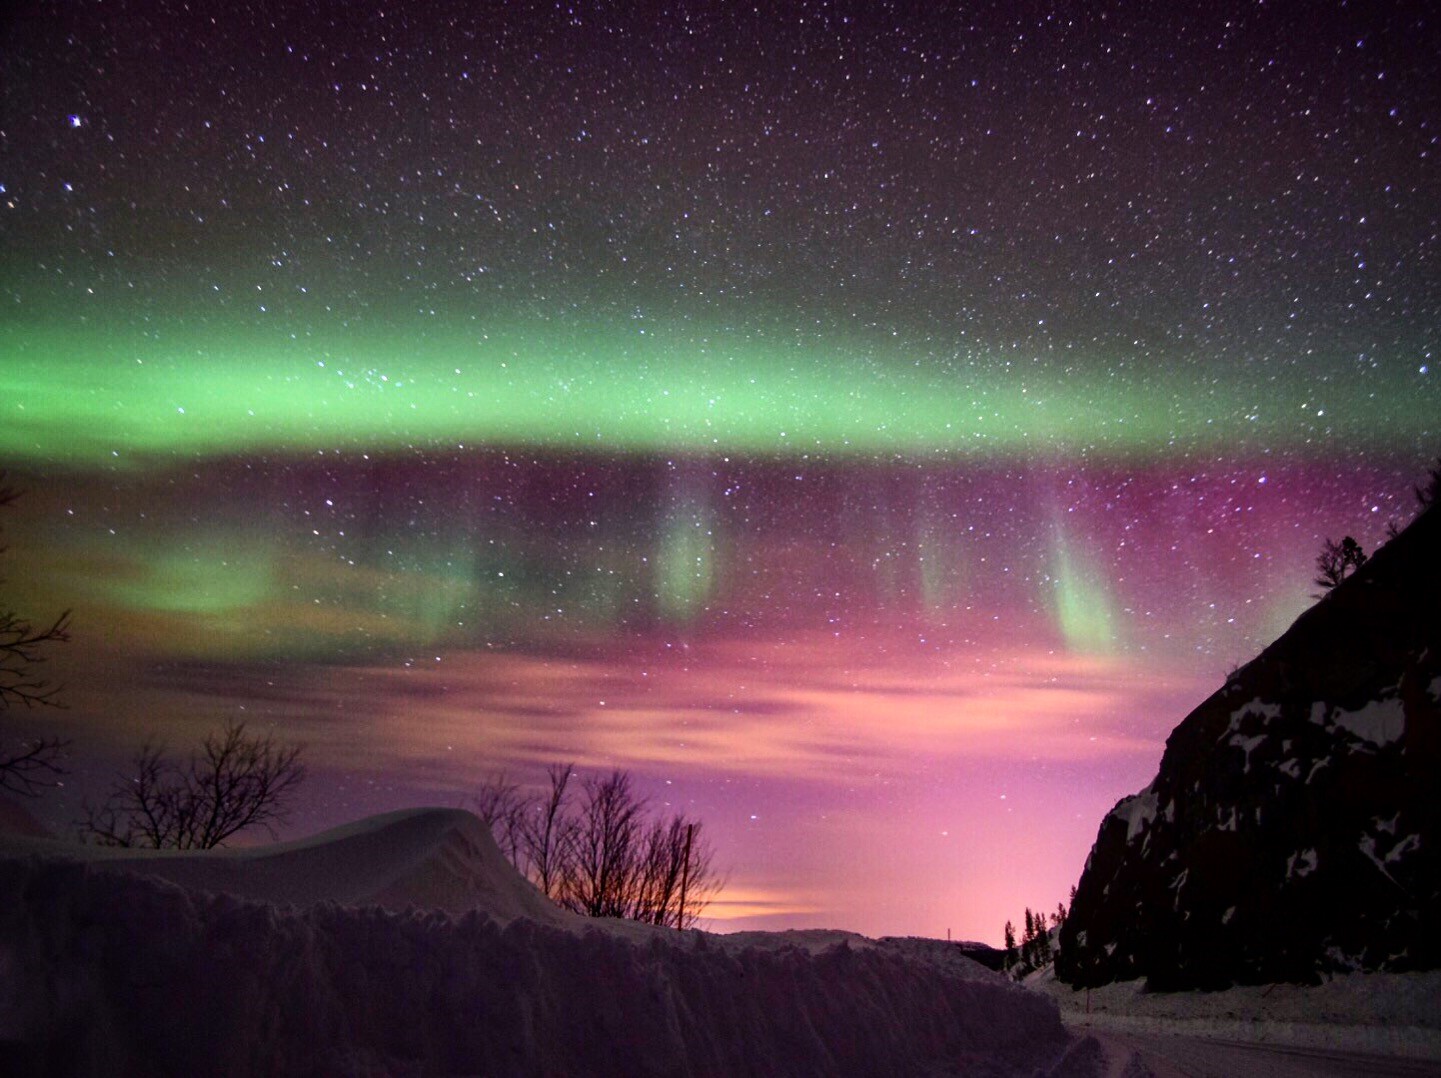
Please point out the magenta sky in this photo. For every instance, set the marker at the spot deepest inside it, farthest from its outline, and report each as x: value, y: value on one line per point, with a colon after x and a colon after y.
x: 873, y: 745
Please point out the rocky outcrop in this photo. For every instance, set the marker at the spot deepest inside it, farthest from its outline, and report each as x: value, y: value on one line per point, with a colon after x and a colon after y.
x: 1294, y: 825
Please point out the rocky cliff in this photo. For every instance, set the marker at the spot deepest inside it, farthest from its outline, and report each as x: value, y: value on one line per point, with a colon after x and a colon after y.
x: 1294, y: 826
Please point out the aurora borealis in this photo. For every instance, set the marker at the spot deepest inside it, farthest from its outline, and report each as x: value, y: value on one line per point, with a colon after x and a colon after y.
x: 874, y: 426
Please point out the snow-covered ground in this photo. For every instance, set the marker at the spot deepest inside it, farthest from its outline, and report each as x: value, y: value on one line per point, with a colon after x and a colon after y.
x: 1389, y: 1014
x: 405, y: 944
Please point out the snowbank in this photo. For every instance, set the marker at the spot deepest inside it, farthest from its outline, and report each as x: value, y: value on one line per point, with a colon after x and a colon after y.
x: 15, y: 819
x: 433, y: 858
x: 108, y: 967
x: 1390, y: 1014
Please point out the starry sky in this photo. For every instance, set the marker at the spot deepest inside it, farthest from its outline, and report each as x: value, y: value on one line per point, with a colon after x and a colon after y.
x: 873, y: 425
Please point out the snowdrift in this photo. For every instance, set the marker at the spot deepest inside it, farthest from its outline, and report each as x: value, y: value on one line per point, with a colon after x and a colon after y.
x: 434, y: 858
x: 113, y: 963
x: 15, y: 819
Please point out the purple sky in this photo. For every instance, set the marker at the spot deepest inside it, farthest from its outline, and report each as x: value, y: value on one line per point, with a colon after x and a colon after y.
x: 874, y: 425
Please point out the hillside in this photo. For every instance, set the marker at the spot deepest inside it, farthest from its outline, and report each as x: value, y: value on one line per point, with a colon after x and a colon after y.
x: 1294, y: 825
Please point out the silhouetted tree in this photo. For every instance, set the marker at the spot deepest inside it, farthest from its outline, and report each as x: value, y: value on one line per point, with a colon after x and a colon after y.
x: 1028, y: 940
x: 675, y: 880
x: 1337, y: 561
x: 503, y: 808
x: 28, y: 767
x: 235, y: 781
x: 1430, y: 488
x: 606, y: 848
x: 1035, y: 946
x: 548, y: 834
x: 599, y: 855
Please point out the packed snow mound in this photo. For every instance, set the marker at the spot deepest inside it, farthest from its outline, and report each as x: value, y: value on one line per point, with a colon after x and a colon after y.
x: 105, y: 972
x: 431, y: 858
x: 15, y: 819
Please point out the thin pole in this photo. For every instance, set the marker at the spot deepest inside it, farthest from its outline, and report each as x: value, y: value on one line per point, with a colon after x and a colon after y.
x: 684, y: 876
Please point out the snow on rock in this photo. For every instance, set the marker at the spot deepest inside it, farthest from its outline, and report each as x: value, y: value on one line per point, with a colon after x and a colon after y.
x: 312, y: 973
x: 1253, y: 709
x: 1136, y: 811
x: 1380, y: 722
x: 1301, y: 863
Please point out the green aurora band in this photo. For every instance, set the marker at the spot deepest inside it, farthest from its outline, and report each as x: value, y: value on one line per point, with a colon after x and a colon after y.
x: 88, y: 395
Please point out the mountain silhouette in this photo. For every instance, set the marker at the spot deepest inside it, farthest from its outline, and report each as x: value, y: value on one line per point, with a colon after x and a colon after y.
x: 1294, y: 825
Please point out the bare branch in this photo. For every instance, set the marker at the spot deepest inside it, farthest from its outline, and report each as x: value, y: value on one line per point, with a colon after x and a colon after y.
x: 21, y: 650
x: 546, y: 835
x: 600, y: 856
x: 236, y: 781
x: 33, y: 767
x: 505, y: 809
x: 1337, y: 561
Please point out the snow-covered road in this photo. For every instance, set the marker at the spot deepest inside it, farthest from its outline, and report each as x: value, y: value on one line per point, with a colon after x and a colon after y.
x: 1166, y: 1056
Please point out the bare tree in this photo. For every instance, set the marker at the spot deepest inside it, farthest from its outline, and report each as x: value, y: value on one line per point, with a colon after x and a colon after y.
x: 534, y: 832
x: 28, y: 767
x: 235, y: 781
x: 676, y: 881
x: 504, y: 809
x: 1430, y: 488
x: 548, y: 833
x: 599, y: 856
x: 606, y: 849
x: 1337, y: 561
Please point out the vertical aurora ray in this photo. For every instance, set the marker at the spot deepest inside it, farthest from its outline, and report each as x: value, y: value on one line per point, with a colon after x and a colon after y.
x: 943, y: 569
x: 685, y: 571
x: 1080, y: 603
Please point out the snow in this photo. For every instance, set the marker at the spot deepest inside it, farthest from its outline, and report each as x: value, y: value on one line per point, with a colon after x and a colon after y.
x: 1257, y: 709
x: 433, y: 858
x: 1367, y: 846
x: 1248, y: 745
x: 15, y: 819
x: 1136, y: 811
x: 1392, y: 1014
x: 1409, y: 844
x: 1301, y: 863
x: 406, y: 944
x: 1380, y: 722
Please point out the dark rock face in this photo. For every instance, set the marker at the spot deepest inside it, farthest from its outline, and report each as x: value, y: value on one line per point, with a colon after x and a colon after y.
x: 988, y: 956
x: 1294, y: 826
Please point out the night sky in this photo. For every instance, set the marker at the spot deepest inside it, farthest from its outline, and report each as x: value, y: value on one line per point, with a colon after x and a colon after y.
x: 873, y: 425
